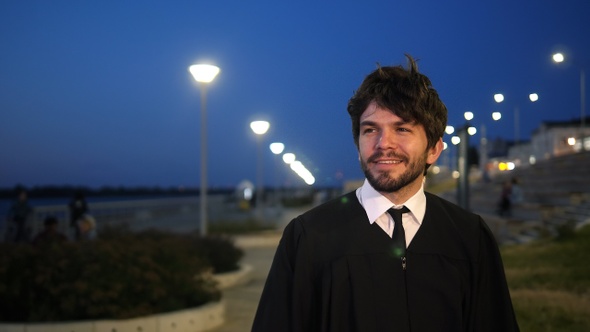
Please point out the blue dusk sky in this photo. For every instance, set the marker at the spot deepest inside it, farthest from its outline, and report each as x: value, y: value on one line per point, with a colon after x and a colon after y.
x: 98, y: 93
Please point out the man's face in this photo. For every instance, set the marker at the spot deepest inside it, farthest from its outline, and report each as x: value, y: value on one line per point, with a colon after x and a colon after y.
x: 393, y: 153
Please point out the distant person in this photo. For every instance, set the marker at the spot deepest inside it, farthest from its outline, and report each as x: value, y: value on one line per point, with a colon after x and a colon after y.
x: 78, y: 207
x: 389, y: 256
x: 86, y: 228
x: 516, y: 196
x: 17, y: 219
x: 50, y: 233
x: 505, y: 202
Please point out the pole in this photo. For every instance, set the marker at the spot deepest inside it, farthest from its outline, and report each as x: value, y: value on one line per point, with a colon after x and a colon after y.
x: 203, y: 190
x: 259, y: 180
x: 516, y: 126
x: 483, y: 152
x: 463, y: 187
x: 582, y: 107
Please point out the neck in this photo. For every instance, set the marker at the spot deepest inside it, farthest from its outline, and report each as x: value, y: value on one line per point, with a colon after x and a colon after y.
x: 403, y: 194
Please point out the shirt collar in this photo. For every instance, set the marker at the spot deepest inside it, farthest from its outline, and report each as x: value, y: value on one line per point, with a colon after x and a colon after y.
x: 376, y: 204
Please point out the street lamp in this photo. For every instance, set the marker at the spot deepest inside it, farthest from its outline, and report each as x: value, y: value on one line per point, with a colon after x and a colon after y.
x: 260, y: 128
x: 277, y: 148
x: 203, y: 74
x: 498, y: 97
x: 558, y: 58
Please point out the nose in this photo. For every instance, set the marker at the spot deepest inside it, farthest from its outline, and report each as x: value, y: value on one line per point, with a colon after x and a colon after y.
x: 386, y: 140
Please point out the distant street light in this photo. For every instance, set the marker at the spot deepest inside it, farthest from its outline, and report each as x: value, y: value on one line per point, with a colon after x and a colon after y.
x: 558, y: 58
x: 277, y: 147
x: 260, y: 128
x: 498, y: 97
x: 288, y: 158
x: 203, y: 74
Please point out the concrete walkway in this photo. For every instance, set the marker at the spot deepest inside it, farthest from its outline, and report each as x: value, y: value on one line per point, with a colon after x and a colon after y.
x: 241, y: 301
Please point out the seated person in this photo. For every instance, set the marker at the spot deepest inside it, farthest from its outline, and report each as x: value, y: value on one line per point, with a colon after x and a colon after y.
x: 50, y: 234
x: 87, y: 227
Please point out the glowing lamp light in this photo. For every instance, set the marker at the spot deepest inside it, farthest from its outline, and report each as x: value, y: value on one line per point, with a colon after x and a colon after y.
x: 533, y: 97
x: 496, y: 116
x: 498, y: 97
x: 468, y: 116
x: 260, y: 127
x: 204, y: 73
x: 558, y: 57
x: 455, y: 140
x: 277, y: 148
x: 288, y: 158
x: 571, y: 141
x: 449, y: 130
x: 472, y: 131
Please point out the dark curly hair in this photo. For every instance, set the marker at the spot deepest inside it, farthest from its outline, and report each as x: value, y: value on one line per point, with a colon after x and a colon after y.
x: 407, y: 93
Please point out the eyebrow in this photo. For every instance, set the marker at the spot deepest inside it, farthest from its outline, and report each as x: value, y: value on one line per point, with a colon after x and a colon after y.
x: 373, y: 123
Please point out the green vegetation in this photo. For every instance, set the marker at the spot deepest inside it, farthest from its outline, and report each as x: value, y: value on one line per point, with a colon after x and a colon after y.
x: 549, y: 281
x: 120, y: 275
x: 238, y: 227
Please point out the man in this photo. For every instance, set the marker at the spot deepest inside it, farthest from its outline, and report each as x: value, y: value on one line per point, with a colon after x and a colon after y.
x: 337, y: 267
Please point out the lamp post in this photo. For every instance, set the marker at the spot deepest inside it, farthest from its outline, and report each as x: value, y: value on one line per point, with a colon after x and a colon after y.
x: 463, y: 160
x: 260, y: 128
x: 533, y: 97
x: 559, y: 58
x: 203, y: 74
x: 277, y: 148
x: 484, y: 147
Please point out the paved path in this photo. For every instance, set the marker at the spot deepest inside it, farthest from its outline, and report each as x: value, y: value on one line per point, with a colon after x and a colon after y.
x: 241, y: 301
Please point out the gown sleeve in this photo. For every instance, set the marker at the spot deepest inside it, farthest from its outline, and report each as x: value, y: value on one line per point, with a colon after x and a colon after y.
x: 493, y: 309
x: 286, y: 301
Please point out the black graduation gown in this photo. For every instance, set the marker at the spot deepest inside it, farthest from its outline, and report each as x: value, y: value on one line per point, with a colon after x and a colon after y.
x: 334, y: 271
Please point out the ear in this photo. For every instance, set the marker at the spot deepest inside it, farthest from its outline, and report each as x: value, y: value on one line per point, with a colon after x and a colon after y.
x: 434, y: 152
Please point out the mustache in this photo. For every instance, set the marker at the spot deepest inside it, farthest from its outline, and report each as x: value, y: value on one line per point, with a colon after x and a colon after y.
x: 381, y: 154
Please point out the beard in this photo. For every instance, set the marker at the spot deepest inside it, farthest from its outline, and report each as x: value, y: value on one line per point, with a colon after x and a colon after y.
x: 383, y: 182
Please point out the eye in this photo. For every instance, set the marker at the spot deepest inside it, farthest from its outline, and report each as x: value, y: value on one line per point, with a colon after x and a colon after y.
x: 368, y: 130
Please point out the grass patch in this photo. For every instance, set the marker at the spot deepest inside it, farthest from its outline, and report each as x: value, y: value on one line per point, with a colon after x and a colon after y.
x: 549, y: 282
x: 238, y: 227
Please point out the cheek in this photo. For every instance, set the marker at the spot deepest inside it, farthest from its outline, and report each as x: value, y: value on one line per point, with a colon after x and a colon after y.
x: 365, y: 149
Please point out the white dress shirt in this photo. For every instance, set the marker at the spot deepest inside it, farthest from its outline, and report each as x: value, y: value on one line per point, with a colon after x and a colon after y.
x: 376, y: 206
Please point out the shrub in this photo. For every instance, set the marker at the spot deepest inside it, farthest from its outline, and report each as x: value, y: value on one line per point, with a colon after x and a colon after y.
x: 120, y: 275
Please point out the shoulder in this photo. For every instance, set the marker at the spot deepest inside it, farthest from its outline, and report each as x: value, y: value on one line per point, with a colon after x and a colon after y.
x: 455, y: 219
x: 345, y: 207
x: 441, y: 205
x: 328, y: 220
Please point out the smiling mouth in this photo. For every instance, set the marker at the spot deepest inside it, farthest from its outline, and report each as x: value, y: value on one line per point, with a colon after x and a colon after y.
x: 389, y: 162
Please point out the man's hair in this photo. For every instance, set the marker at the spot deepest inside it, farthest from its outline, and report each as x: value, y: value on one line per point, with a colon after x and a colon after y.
x: 407, y: 93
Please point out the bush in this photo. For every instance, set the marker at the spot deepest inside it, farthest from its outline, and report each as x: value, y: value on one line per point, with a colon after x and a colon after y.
x: 120, y: 275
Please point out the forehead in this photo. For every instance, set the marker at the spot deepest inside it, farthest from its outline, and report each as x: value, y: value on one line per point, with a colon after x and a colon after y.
x: 375, y: 112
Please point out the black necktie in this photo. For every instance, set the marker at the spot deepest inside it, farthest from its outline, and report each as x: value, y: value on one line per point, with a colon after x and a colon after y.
x: 399, y: 235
